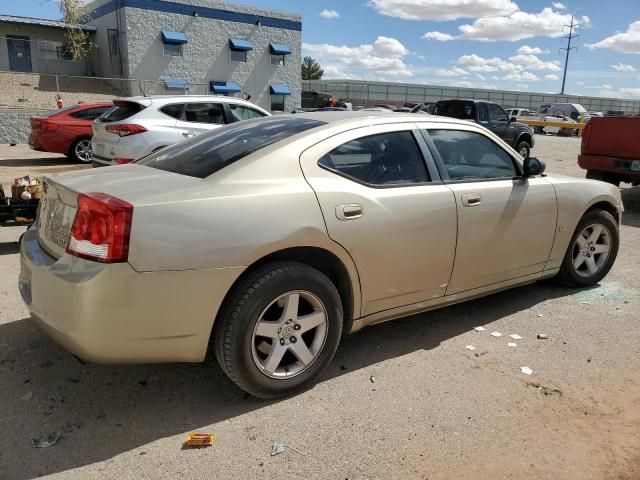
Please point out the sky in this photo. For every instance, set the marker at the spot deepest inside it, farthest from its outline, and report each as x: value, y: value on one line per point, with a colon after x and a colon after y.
x: 503, y: 44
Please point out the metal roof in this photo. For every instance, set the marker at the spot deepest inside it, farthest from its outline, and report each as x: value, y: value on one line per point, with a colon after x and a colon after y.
x: 42, y: 22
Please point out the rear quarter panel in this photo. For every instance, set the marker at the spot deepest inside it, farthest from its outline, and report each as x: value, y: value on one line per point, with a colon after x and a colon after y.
x: 575, y: 196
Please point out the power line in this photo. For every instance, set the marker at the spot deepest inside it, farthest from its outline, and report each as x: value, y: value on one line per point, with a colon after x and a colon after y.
x: 568, y: 48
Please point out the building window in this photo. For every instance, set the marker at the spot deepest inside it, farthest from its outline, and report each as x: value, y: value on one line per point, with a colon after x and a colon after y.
x: 277, y: 59
x: 172, y: 50
x: 277, y: 103
x: 48, y: 50
x: 238, y: 55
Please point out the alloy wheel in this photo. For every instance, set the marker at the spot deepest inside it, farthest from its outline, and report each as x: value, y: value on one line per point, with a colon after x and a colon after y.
x: 83, y: 150
x: 591, y: 250
x: 289, y: 335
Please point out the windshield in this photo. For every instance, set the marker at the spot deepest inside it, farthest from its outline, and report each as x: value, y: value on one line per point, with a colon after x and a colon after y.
x: 455, y: 108
x: 205, y: 154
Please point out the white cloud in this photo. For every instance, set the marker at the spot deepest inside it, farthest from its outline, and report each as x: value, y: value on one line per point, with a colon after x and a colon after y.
x: 527, y: 50
x: 522, y: 86
x: 580, y: 83
x: 518, y: 26
x: 385, y: 56
x: 463, y: 83
x: 438, y: 36
x: 442, y: 9
x: 534, y: 63
x: 623, y: 67
x: 633, y: 93
x: 626, y: 42
x: 335, y: 72
x: 521, y: 77
x: 551, y: 76
x: 329, y: 13
x: 452, y: 72
x: 559, y: 6
x: 507, y: 70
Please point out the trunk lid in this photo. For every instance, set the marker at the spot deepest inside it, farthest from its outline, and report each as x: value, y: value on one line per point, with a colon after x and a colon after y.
x: 135, y: 184
x: 104, y: 142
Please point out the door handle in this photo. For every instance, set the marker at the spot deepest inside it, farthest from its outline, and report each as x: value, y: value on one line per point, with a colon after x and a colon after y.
x: 188, y: 134
x: 471, y: 199
x: 349, y: 211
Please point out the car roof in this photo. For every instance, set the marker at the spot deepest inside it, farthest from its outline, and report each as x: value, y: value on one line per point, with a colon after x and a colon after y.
x: 170, y: 98
x: 373, y: 117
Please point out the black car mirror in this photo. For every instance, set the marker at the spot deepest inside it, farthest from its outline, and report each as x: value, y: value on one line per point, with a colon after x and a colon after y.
x: 533, y: 166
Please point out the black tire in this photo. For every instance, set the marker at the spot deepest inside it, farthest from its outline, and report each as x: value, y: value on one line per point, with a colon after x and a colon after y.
x: 234, y: 330
x: 568, y: 275
x: 522, y: 148
x: 74, y: 151
x: 611, y: 178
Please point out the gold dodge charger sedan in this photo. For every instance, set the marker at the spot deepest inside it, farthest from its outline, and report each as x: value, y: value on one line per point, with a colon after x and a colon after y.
x: 269, y: 239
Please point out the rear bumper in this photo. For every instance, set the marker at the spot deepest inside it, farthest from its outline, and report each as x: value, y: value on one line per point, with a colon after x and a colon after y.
x: 114, y: 314
x: 98, y: 161
x: 607, y: 164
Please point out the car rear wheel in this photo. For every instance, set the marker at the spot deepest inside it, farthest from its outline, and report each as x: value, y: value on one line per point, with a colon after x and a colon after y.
x: 279, y: 329
x: 80, y: 150
x: 523, y: 149
x: 592, y: 251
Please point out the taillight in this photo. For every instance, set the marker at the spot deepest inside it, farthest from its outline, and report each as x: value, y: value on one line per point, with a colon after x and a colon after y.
x: 48, y: 126
x: 121, y: 160
x: 586, y: 131
x: 125, y: 129
x: 101, y: 228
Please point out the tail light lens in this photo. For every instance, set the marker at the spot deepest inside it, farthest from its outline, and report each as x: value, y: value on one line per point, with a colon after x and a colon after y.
x: 101, y: 228
x: 125, y: 129
x: 585, y: 135
x: 123, y: 160
x: 44, y: 125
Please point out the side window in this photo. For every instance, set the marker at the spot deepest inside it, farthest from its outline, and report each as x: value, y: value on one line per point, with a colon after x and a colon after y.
x: 382, y: 159
x: 204, y: 113
x: 89, y: 113
x: 174, y: 110
x: 171, y: 50
x: 238, y: 55
x: 496, y: 113
x: 472, y: 156
x: 240, y: 112
x: 483, y: 112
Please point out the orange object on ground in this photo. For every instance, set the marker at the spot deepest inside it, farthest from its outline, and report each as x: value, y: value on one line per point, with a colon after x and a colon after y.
x: 200, y: 439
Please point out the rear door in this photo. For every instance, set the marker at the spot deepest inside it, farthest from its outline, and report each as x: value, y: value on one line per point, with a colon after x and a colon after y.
x: 506, y: 223
x: 200, y: 117
x: 383, y: 202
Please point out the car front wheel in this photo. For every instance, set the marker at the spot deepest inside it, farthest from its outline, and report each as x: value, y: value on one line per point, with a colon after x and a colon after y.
x: 592, y: 251
x: 279, y: 329
x: 524, y: 149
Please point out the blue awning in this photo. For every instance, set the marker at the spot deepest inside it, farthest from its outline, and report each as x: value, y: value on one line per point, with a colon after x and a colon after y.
x: 279, y: 49
x: 280, y: 90
x: 174, y: 38
x: 240, y: 44
x: 224, y: 88
x: 175, y: 83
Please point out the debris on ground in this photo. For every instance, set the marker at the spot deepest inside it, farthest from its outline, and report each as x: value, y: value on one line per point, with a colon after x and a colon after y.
x: 543, y: 336
x: 200, y: 440
x: 540, y: 315
x: 277, y: 448
x: 526, y: 370
x: 27, y: 396
x: 46, y: 441
x: 515, y: 336
x: 479, y: 329
x: 545, y: 390
x: 470, y: 348
x: 372, y: 379
x: 511, y: 344
x: 496, y: 334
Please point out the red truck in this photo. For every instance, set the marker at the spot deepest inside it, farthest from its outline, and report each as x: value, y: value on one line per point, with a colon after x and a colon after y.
x: 611, y: 149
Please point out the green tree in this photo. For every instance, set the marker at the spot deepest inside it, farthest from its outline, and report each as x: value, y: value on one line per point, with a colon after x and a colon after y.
x: 311, y: 69
x: 73, y: 14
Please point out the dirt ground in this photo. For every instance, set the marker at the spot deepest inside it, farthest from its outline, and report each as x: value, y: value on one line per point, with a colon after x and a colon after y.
x: 401, y: 400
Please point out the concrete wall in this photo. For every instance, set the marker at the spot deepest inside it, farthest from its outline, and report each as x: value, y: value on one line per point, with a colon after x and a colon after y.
x: 107, y: 66
x: 15, y: 125
x: 207, y: 55
x: 41, y: 65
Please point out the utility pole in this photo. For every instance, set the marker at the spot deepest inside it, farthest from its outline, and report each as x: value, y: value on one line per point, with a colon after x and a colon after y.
x: 573, y: 26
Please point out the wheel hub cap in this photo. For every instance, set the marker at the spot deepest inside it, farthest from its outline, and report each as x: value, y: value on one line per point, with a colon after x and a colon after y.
x: 591, y: 250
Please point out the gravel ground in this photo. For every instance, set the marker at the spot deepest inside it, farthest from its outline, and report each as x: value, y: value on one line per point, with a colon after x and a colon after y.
x: 403, y: 399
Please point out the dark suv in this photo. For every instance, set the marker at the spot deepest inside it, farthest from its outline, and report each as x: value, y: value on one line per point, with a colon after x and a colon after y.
x: 492, y: 116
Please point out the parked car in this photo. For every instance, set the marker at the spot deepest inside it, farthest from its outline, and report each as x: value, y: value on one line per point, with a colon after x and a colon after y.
x: 574, y: 111
x: 610, y: 150
x: 492, y: 116
x: 426, y: 107
x: 137, y: 126
x: 271, y: 238
x: 67, y: 131
x: 518, y: 112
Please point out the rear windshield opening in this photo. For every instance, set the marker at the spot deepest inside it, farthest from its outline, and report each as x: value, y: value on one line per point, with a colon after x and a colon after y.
x: 205, y: 154
x: 121, y: 110
x: 455, y: 108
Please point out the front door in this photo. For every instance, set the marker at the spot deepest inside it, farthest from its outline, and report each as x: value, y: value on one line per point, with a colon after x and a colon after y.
x: 381, y: 203
x: 500, y: 124
x: 506, y: 223
x: 19, y: 49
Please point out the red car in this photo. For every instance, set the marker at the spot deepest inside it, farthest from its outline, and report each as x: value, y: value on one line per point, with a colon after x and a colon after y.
x: 67, y: 131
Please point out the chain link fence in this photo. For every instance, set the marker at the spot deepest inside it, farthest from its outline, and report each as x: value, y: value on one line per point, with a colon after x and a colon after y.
x: 368, y: 94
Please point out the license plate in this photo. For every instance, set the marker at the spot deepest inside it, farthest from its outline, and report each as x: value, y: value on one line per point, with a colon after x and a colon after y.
x: 98, y: 148
x: 635, y: 166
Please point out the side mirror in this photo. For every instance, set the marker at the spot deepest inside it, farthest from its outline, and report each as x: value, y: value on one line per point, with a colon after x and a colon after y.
x: 533, y: 166
x: 513, y: 120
